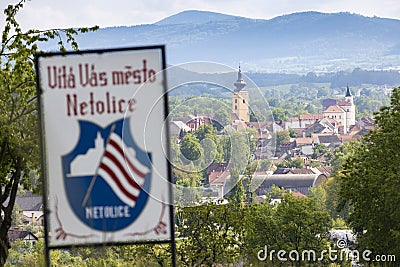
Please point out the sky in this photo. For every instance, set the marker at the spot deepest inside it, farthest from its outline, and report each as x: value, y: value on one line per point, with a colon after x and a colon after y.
x: 45, y: 14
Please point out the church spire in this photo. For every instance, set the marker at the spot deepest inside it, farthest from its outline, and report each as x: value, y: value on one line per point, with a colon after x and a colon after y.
x: 240, y: 83
x: 348, y: 93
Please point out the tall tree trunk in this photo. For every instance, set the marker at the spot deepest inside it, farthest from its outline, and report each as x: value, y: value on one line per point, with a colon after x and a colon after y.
x: 7, y: 212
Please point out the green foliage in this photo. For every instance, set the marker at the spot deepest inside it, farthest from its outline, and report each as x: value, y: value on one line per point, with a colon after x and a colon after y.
x: 210, y: 234
x: 369, y: 181
x: 293, y: 224
x: 291, y: 163
x: 262, y: 165
x: 332, y: 200
x: 281, y: 137
x: 275, y: 192
x: 261, y: 230
x: 318, y: 150
x: 280, y: 114
x: 223, y: 117
x: 301, y: 225
x: 236, y: 193
x: 236, y: 148
x: 203, y: 104
x: 207, y: 136
x: 339, y: 223
x: 315, y: 163
x: 190, y: 148
x: 17, y: 216
x: 319, y: 195
x: 24, y: 253
x: 204, y: 131
x: 187, y: 182
x: 292, y: 133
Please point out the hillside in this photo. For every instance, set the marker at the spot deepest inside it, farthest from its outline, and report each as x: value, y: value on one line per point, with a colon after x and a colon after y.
x: 296, y: 43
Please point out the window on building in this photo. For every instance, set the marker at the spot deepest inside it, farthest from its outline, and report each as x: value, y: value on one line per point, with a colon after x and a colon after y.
x: 235, y: 107
x: 235, y: 101
x: 244, y: 101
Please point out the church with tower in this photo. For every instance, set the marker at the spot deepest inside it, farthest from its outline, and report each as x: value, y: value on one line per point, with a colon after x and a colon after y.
x: 240, y: 100
x: 342, y: 111
x: 339, y: 113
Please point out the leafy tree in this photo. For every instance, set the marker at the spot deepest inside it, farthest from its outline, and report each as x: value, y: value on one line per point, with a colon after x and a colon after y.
x: 333, y: 200
x: 275, y: 192
x: 174, y: 153
x: 211, y: 149
x: 293, y: 224
x: 318, y: 150
x: 251, y: 137
x: 262, y: 230
x: 318, y: 194
x: 291, y: 163
x: 187, y: 182
x: 262, y: 165
x: 225, y: 147
x: 236, y: 193
x: 236, y: 148
x: 293, y: 133
x: 240, y: 150
x: 369, y: 181
x: 19, y: 150
x: 280, y: 114
x: 190, y: 148
x: 315, y: 163
x: 207, y: 136
x: 301, y: 225
x: 222, y: 117
x: 210, y: 234
x: 281, y: 137
x: 310, y: 108
x: 203, y: 131
x: 249, y: 187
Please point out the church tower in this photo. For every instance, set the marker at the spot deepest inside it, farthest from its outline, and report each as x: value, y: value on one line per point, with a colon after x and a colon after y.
x: 240, y: 99
x: 350, y: 109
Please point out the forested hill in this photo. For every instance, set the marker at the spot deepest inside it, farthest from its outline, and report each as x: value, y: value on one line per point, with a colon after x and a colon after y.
x: 295, y: 43
x: 357, y: 77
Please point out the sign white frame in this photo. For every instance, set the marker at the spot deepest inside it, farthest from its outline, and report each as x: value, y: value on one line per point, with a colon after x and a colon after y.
x: 107, y: 89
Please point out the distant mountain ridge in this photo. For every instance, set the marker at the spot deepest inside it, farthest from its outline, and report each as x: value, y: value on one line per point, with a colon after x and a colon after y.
x: 195, y: 17
x: 295, y: 43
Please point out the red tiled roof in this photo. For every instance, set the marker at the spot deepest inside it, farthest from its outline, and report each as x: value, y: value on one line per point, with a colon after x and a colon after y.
x: 298, y: 194
x: 305, y: 140
x: 343, y: 103
x: 218, y: 177
x: 219, y: 167
x: 334, y: 109
x: 311, y: 116
x: 301, y: 171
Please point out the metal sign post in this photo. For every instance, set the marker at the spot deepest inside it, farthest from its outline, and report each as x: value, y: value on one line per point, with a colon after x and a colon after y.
x: 107, y: 179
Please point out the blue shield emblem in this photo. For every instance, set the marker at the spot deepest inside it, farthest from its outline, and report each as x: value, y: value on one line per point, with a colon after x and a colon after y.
x: 107, y: 176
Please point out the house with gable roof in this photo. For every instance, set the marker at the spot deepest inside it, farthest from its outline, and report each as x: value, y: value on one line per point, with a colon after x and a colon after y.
x: 17, y: 233
x: 31, y: 206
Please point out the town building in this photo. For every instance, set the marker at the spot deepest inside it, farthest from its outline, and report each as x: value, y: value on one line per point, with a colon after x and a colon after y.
x: 343, y: 111
x: 240, y: 99
x: 16, y: 233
